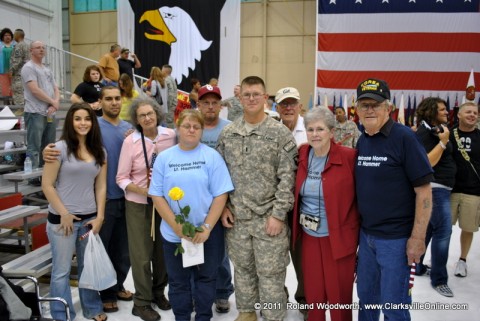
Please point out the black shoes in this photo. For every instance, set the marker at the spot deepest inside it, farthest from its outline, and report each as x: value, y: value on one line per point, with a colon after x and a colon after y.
x: 162, y: 303
x: 222, y: 306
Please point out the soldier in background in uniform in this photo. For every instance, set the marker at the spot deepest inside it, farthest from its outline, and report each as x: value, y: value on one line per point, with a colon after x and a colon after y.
x: 261, y: 156
x: 346, y: 131
x: 20, y: 55
x: 172, y: 96
x: 235, y: 108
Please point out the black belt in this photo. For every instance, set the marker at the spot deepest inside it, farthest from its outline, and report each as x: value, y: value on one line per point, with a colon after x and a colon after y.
x: 55, y: 219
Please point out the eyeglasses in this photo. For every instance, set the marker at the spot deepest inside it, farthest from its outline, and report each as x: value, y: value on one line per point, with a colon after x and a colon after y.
x: 189, y: 127
x: 213, y: 104
x: 286, y: 105
x: 150, y: 115
x: 364, y: 107
x: 319, y: 130
x: 255, y: 96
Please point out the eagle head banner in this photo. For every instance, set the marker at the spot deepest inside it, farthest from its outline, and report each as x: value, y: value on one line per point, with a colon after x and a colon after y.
x: 182, y: 33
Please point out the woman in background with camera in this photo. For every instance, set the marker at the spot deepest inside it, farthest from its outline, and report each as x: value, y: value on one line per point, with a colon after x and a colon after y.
x: 146, y: 253
x: 326, y: 216
x: 431, y: 116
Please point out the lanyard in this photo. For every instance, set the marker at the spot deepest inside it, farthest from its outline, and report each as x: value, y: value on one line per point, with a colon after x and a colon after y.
x: 463, y: 151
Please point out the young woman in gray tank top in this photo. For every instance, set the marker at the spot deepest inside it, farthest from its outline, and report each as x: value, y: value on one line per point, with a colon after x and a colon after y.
x: 75, y: 187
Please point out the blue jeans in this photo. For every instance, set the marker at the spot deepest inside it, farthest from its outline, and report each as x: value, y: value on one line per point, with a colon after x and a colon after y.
x: 40, y: 133
x: 115, y: 239
x: 63, y: 248
x: 204, y: 278
x: 382, y: 277
x: 110, y: 83
x: 439, y: 231
x: 224, y: 276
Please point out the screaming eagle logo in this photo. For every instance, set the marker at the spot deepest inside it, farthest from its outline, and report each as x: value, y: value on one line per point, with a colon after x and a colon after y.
x: 166, y: 24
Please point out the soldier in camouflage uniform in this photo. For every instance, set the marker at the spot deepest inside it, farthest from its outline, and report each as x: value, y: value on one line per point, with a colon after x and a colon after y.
x: 20, y: 55
x: 172, y: 96
x: 235, y: 108
x: 261, y: 156
x: 346, y: 131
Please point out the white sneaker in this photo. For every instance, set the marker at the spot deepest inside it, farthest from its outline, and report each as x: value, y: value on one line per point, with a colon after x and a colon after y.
x: 461, y: 269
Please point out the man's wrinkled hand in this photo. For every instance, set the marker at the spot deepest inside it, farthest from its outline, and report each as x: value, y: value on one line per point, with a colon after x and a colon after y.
x: 415, y: 249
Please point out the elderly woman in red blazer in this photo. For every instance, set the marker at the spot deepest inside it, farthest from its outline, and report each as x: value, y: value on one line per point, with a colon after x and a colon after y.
x: 325, y: 217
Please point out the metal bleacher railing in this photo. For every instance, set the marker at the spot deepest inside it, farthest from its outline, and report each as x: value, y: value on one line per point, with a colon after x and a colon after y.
x: 59, y: 61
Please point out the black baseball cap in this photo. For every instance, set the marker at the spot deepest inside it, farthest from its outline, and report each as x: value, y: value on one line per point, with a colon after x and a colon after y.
x: 373, y: 88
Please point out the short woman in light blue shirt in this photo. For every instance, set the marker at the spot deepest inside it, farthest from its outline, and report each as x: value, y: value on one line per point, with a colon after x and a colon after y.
x: 202, y: 174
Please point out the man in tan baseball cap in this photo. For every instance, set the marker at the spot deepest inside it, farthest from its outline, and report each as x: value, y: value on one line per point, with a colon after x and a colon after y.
x: 289, y: 107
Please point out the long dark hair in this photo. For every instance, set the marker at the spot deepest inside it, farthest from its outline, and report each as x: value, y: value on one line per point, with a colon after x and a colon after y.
x: 94, y: 139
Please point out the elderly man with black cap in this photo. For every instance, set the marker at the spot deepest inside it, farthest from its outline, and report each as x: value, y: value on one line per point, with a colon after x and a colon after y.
x: 394, y: 197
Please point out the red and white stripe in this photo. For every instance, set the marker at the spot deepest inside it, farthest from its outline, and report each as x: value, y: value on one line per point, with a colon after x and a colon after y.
x: 421, y: 54
x: 412, y: 277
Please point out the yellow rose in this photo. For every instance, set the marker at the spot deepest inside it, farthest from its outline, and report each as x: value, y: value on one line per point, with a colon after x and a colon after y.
x: 176, y: 193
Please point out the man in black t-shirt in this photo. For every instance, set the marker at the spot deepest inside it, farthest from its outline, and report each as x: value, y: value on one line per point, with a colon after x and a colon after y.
x: 465, y: 198
x: 125, y: 65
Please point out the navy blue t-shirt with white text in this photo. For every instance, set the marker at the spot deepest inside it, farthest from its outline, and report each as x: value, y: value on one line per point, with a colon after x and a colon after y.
x: 390, y: 164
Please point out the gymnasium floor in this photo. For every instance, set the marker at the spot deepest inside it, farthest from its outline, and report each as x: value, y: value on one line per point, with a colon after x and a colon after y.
x: 466, y: 291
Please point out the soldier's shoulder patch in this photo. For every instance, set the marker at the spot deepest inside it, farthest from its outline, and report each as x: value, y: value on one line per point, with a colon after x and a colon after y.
x: 289, y: 146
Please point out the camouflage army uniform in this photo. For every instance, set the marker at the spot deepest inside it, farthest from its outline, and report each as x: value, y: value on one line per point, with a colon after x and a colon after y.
x: 172, y: 101
x: 347, y: 129
x: 262, y: 164
x: 235, y: 108
x: 20, y: 55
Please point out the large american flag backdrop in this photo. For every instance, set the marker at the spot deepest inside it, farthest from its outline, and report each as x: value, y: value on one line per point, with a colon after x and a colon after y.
x: 420, y: 47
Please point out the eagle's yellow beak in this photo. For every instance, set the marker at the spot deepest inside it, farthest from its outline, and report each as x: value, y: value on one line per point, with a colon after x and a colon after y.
x: 159, y: 30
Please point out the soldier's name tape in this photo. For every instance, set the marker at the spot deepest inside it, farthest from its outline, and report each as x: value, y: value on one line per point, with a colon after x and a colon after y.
x: 356, y: 306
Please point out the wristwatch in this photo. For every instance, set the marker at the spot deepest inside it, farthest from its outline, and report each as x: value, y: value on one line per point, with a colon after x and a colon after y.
x: 207, y: 226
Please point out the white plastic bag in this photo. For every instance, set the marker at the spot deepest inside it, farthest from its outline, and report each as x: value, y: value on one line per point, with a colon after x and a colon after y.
x: 98, y: 272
